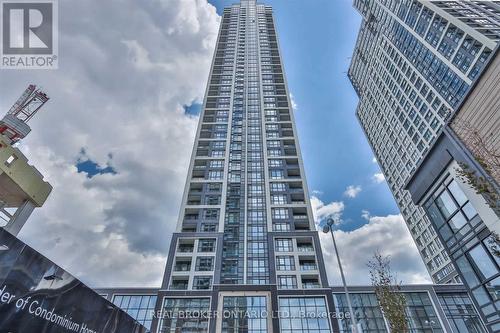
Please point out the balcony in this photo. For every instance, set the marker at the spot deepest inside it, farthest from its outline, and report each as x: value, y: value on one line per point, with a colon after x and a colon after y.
x: 305, y: 245
x: 185, y: 248
x: 182, y: 266
x: 308, y: 265
x: 179, y: 284
x: 310, y: 282
x: 305, y: 248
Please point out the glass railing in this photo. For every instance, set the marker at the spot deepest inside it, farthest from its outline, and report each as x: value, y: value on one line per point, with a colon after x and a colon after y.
x: 185, y: 249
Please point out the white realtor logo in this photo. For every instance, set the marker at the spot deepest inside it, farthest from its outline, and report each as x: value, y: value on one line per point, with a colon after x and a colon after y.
x: 29, y: 35
x: 17, y: 28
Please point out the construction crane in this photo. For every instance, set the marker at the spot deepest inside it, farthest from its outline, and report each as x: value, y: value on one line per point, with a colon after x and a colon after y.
x: 14, y: 125
x: 22, y: 187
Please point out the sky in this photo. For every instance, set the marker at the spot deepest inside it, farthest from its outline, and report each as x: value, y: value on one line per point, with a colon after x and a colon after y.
x: 116, y: 137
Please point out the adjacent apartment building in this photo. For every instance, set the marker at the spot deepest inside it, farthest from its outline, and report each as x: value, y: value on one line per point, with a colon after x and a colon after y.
x: 413, y: 63
x: 457, y: 185
x: 246, y: 238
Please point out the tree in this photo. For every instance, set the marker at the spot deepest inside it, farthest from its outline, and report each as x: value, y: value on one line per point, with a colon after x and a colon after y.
x: 484, y: 149
x: 483, y: 146
x: 494, y: 244
x: 388, y: 292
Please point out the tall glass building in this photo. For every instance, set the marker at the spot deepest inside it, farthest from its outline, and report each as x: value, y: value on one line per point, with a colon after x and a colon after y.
x: 245, y: 238
x: 413, y: 63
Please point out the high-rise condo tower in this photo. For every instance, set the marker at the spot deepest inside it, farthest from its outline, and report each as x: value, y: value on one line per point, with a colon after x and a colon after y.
x: 413, y: 63
x: 246, y: 238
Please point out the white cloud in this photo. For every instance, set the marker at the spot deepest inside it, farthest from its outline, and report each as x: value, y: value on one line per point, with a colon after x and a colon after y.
x: 378, y: 178
x: 322, y: 211
x: 317, y: 192
x: 119, y: 91
x: 352, y: 191
x: 365, y: 214
x: 374, y: 159
x: 387, y: 234
x: 294, y: 104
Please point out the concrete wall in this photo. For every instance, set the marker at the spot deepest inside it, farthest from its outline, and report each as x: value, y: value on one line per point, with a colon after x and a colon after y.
x: 479, y: 118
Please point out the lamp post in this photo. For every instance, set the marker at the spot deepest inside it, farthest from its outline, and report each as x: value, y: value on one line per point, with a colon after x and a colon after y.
x: 431, y: 324
x: 329, y: 228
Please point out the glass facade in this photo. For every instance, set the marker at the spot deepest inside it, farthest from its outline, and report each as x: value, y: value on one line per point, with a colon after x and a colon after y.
x: 304, y: 315
x: 244, y: 314
x: 466, y: 237
x: 185, y: 315
x: 366, y: 309
x: 461, y: 313
x: 421, y: 315
x: 139, y: 307
x: 413, y: 63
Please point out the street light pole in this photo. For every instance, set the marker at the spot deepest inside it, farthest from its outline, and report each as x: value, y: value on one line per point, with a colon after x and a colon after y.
x: 329, y: 228
x: 431, y: 324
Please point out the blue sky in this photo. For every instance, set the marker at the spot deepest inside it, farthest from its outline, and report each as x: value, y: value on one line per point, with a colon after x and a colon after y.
x: 115, y: 139
x: 317, y: 38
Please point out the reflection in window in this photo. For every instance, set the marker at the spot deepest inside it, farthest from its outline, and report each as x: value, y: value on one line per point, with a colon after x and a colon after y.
x: 421, y: 314
x: 446, y: 204
x: 177, y: 319
x: 452, y: 206
x: 366, y: 309
x: 139, y: 307
x: 303, y: 315
x: 244, y: 314
x: 460, y: 312
x: 287, y: 282
x: 483, y: 261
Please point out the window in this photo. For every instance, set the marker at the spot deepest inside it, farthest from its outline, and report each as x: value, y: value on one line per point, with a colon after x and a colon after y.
x: 178, y: 306
x: 461, y: 313
x: 273, y: 144
x: 256, y: 216
x: 217, y: 164
x: 256, y: 232
x: 256, y: 248
x: 255, y: 189
x: 211, y: 214
x: 215, y: 175
x: 285, y: 263
x: 206, y: 245
x: 208, y: 227
x: 218, y: 145
x: 214, y: 187
x: 279, y: 199
x: 139, y: 307
x: 274, y: 152
x: 278, y: 187
x: 277, y: 174
x: 257, y: 266
x: 287, y: 282
x: 283, y: 245
x: 446, y: 204
x: 280, y: 213
x: 202, y: 282
x: 450, y: 211
x: 12, y: 158
x: 281, y: 226
x: 482, y: 261
x: 247, y: 314
x: 306, y: 315
x: 275, y: 163
x: 205, y: 264
x: 366, y: 308
x: 256, y: 202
